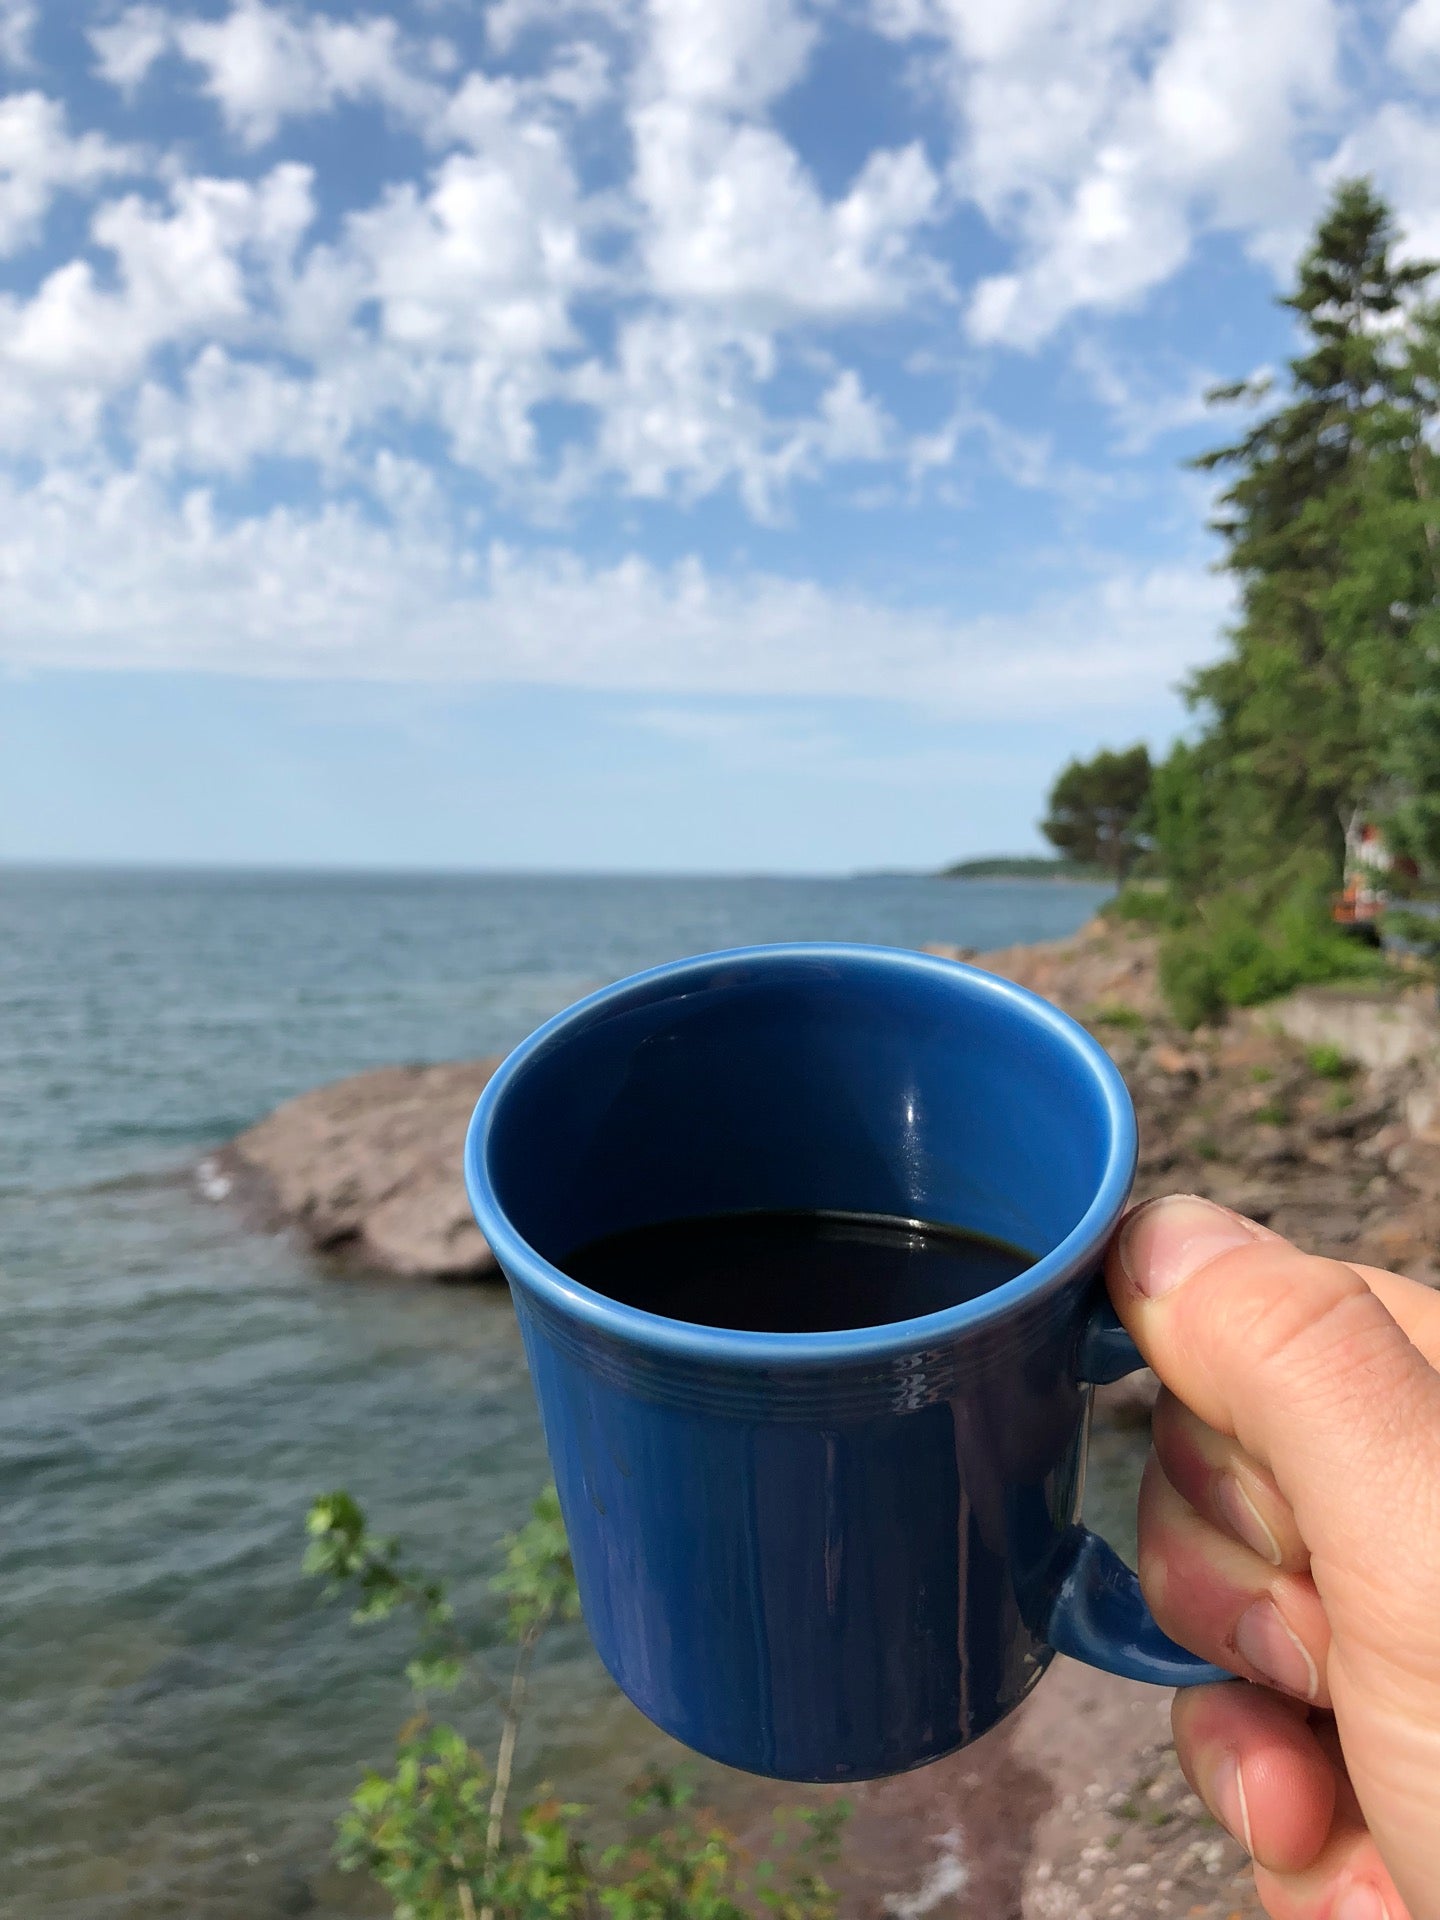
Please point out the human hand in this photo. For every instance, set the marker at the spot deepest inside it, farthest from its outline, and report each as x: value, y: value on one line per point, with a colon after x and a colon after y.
x: 1290, y: 1531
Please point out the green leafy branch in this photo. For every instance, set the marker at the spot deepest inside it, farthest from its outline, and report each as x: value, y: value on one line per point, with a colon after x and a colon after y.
x: 433, y: 1832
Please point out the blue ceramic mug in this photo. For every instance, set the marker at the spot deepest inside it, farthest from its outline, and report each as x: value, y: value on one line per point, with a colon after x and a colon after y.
x: 824, y: 1556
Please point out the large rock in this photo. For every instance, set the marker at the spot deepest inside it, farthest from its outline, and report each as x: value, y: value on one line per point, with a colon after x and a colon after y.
x: 370, y: 1166
x: 1378, y: 1029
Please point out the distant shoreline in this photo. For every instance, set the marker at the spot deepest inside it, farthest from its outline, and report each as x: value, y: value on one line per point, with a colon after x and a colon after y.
x: 1024, y: 866
x: 1020, y: 866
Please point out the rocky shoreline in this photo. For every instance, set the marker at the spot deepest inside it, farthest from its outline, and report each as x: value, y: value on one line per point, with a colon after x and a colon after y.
x: 1319, y: 1115
x: 1073, y: 1809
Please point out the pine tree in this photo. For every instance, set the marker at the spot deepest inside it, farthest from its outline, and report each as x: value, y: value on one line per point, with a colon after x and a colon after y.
x: 1295, y: 733
x: 1404, y: 531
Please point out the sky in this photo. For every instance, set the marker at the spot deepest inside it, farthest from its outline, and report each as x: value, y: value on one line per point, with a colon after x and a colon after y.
x: 649, y: 434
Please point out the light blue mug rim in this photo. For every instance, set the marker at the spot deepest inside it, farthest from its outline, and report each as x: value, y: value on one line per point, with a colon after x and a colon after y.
x: 636, y: 1327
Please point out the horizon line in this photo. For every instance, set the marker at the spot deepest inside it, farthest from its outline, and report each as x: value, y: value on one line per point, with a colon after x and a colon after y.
x: 349, y: 870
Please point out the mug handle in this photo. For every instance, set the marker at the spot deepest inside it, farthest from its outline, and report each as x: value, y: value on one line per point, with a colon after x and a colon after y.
x: 1099, y: 1614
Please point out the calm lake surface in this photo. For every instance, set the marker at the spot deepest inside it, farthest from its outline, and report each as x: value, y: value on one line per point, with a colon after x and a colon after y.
x: 179, y: 1719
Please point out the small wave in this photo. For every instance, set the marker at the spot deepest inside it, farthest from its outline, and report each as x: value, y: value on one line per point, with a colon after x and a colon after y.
x: 152, y: 1180
x: 200, y: 1133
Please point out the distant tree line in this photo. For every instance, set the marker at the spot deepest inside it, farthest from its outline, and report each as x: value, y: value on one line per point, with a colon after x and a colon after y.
x: 1326, y: 699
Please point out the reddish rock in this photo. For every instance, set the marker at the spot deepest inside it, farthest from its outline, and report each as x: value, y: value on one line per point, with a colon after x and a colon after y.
x: 1170, y: 1059
x: 370, y: 1167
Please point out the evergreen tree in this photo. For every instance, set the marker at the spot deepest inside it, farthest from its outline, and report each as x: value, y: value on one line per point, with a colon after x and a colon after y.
x: 1399, y: 543
x: 1296, y: 735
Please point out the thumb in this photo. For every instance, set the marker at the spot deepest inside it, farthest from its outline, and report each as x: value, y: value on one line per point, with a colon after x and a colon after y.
x: 1298, y: 1359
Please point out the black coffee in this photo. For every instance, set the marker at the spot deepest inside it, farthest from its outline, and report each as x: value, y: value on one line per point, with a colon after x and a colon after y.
x: 794, y: 1272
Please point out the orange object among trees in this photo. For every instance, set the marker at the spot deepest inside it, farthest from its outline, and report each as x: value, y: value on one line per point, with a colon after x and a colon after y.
x: 1370, y: 869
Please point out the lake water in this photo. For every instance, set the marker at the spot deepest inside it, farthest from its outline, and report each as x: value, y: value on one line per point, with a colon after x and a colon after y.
x: 179, y: 1719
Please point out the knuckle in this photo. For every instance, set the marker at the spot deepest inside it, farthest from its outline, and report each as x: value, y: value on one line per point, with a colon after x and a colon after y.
x: 1301, y: 1324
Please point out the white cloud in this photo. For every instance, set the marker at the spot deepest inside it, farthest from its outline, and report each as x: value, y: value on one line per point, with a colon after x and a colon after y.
x: 333, y: 592
x: 40, y: 158
x: 486, y: 258
x: 1103, y: 139
x: 737, y: 250
x: 229, y: 412
x: 196, y: 269
x: 625, y: 270
x: 127, y: 48
x: 451, y: 300
x: 735, y: 221
x: 678, y: 411
x: 18, y: 21
x: 472, y: 279
x: 853, y: 426
x: 729, y: 54
x: 731, y: 216
x: 1415, y: 41
x: 263, y: 64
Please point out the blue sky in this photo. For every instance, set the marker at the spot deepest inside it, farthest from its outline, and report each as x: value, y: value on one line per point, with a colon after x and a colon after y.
x: 703, y: 434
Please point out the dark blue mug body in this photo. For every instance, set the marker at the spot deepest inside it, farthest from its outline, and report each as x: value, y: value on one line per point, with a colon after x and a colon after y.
x: 824, y: 1556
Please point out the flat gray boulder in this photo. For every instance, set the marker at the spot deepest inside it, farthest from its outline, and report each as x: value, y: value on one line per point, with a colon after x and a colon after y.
x: 369, y: 1167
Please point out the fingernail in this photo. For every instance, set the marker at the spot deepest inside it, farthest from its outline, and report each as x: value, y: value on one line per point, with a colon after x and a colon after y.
x: 1166, y: 1241
x: 1265, y: 1641
x: 1228, y: 1803
x: 1359, y: 1903
x: 1245, y: 1520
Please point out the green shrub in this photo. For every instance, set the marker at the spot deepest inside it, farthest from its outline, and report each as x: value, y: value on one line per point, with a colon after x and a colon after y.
x: 1190, y: 981
x: 1327, y: 1062
x: 1128, y: 1019
x: 1144, y: 905
x: 1242, y: 949
x: 435, y: 1833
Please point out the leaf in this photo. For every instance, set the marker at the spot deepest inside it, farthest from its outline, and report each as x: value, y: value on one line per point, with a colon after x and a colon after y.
x: 435, y: 1673
x: 538, y: 1578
